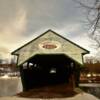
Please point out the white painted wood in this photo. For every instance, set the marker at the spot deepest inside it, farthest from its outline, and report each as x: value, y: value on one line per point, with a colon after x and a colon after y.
x: 62, y: 46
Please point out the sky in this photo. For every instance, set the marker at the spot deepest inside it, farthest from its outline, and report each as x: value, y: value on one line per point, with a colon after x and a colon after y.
x: 23, y: 20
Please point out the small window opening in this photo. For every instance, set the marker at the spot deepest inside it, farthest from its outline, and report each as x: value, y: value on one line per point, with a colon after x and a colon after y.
x: 25, y: 66
x: 53, y: 71
x: 72, y: 64
x: 35, y: 65
x: 30, y: 65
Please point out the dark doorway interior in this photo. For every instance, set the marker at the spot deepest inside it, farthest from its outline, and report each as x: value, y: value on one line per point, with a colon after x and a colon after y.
x: 48, y: 69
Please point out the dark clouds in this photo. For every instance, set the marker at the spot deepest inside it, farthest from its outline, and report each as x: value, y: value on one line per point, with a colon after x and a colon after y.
x: 20, y: 20
x: 40, y: 13
x: 51, y: 14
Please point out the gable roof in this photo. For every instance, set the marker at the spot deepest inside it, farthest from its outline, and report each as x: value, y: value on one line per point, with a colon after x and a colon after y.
x: 20, y: 50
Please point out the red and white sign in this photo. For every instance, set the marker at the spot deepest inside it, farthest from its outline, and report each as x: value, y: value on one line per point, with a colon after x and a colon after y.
x: 49, y: 45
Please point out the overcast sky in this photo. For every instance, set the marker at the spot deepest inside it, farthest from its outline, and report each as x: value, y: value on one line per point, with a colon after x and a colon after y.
x: 22, y: 20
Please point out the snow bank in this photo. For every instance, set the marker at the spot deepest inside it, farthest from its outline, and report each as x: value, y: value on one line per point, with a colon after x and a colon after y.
x: 10, y: 86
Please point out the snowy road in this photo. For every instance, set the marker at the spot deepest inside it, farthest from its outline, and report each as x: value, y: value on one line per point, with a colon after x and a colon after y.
x: 11, y: 86
x: 81, y: 96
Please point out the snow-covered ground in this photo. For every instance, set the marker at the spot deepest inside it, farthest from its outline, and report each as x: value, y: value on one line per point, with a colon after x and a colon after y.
x: 81, y: 96
x: 10, y: 86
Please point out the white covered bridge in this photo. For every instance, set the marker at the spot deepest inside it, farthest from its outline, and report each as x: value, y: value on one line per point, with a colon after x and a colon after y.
x: 49, y: 59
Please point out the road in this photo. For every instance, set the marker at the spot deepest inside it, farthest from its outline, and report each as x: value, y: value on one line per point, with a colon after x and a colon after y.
x: 81, y: 96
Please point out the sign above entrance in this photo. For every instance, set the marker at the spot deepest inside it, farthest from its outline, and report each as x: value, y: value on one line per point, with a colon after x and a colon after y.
x: 49, y: 45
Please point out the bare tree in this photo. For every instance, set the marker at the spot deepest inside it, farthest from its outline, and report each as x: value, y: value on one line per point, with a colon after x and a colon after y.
x: 93, y: 17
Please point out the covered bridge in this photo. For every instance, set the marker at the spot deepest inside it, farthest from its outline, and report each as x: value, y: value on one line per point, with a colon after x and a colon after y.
x: 49, y: 59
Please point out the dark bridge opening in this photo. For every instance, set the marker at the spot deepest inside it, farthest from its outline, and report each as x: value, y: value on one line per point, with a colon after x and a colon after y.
x: 43, y: 70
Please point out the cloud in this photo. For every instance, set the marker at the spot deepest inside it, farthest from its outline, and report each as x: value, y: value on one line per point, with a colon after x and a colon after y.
x: 14, y: 30
x: 4, y: 52
x: 16, y: 27
x: 22, y: 20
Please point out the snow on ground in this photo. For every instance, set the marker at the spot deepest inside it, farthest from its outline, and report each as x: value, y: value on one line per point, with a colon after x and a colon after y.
x: 81, y: 96
x: 10, y: 86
